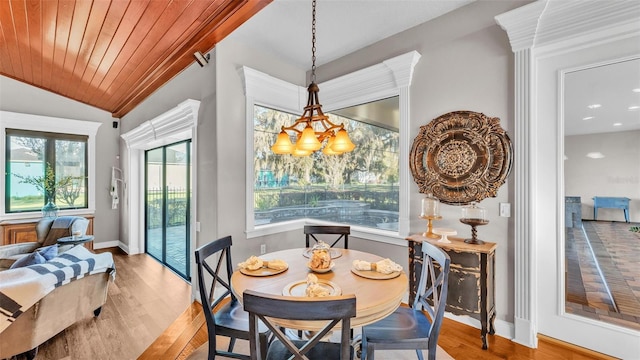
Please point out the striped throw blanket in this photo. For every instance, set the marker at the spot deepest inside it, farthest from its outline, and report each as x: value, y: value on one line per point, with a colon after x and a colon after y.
x: 21, y: 288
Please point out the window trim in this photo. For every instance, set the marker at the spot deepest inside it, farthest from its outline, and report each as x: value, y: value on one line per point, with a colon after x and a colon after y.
x: 39, y: 123
x: 174, y: 125
x: 391, y: 77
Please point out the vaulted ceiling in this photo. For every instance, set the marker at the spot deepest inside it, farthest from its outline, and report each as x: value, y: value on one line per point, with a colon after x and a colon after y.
x: 111, y: 54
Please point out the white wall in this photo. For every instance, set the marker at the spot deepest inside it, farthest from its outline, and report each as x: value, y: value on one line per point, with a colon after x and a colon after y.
x: 617, y: 174
x: 197, y: 83
x: 19, y: 97
x: 231, y: 144
x: 466, y: 64
x: 221, y: 143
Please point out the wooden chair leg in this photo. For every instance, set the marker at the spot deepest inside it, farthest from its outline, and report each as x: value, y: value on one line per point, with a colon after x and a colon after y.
x: 264, y: 345
x: 31, y: 354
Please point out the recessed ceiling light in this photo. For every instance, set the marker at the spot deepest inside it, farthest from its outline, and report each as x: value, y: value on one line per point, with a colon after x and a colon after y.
x: 636, y: 90
x: 594, y: 106
x: 634, y: 107
x: 587, y: 118
x: 595, y: 155
x: 617, y: 124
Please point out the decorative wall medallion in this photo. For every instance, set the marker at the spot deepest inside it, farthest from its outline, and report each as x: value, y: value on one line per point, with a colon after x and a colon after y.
x: 460, y: 157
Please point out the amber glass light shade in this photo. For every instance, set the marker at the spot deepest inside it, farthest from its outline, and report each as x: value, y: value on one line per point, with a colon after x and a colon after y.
x: 328, y: 150
x: 299, y: 152
x: 283, y: 144
x: 342, y: 143
x: 308, y: 140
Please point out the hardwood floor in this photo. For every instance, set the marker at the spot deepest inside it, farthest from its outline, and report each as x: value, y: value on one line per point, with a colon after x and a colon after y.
x: 144, y: 300
x: 611, y: 286
x: 149, y: 315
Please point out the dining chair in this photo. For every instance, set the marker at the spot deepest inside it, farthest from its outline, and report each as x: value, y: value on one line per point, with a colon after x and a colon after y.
x: 334, y: 309
x: 311, y: 231
x: 409, y: 327
x: 223, y: 318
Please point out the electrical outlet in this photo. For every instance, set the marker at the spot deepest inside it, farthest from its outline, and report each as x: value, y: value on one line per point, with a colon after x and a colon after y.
x: 197, y: 226
x: 505, y: 209
x: 263, y: 249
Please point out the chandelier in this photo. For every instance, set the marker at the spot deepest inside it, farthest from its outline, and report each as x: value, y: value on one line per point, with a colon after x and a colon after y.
x: 308, y: 139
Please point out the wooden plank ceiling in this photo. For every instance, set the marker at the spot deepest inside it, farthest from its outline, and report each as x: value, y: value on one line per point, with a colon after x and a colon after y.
x: 111, y: 54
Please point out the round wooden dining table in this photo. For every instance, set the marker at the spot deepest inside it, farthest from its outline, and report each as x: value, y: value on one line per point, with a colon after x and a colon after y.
x: 375, y: 298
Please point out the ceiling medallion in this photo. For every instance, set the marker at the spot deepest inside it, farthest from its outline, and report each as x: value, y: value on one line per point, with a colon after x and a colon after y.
x: 461, y: 157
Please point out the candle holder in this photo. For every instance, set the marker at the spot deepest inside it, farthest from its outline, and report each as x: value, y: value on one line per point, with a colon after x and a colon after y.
x: 429, y: 233
x: 430, y: 211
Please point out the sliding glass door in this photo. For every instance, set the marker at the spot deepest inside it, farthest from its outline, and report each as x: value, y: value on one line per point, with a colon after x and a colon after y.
x: 167, y: 204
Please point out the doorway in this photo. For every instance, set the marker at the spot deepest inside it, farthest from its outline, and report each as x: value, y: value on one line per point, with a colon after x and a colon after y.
x: 167, y: 205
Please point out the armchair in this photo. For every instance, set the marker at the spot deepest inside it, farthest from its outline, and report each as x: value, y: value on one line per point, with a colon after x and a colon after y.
x: 48, y: 231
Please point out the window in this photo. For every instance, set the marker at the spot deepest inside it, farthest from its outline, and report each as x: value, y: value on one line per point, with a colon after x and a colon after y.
x: 35, y: 159
x: 389, y: 79
x: 31, y: 144
x: 358, y: 188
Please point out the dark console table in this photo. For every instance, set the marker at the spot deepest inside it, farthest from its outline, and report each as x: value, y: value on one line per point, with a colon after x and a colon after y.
x: 471, y: 279
x: 612, y: 203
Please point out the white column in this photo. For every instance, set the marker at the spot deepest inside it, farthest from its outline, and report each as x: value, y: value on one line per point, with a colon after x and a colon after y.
x: 525, y: 276
x: 521, y: 25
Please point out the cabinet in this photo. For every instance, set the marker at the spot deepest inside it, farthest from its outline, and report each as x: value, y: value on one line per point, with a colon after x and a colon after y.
x: 24, y: 230
x: 471, y: 279
x: 572, y: 211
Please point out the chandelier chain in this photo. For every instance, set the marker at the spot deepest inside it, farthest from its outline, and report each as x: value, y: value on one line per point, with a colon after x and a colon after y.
x: 311, y: 138
x: 313, y: 42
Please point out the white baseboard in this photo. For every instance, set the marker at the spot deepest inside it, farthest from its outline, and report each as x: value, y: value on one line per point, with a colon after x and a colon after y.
x: 109, y: 244
x: 503, y: 328
x: 106, y: 244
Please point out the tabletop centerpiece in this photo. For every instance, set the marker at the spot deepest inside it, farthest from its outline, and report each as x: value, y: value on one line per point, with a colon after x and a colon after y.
x: 320, y: 259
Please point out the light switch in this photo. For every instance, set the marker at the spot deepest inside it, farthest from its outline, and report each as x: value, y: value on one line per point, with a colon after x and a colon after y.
x: 505, y: 209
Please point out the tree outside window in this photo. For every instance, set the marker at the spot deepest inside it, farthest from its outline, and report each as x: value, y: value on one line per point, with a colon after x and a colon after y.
x: 356, y: 188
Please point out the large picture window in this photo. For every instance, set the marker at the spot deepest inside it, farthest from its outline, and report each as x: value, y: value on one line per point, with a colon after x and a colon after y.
x: 359, y: 188
x: 363, y: 188
x: 43, y: 167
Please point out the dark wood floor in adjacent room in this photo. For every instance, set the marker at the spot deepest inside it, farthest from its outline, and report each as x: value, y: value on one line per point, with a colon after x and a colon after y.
x: 149, y: 311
